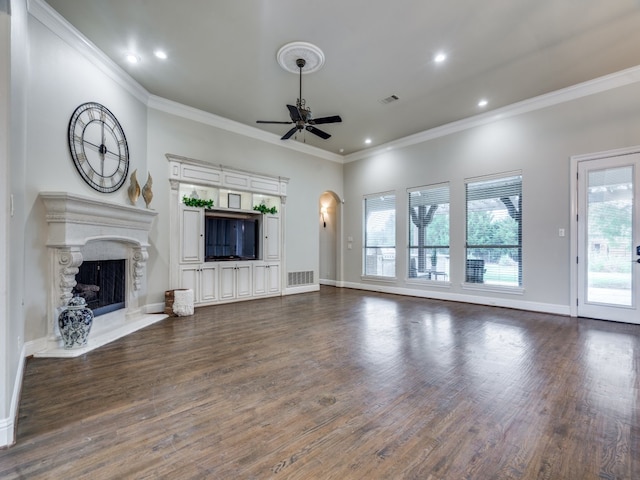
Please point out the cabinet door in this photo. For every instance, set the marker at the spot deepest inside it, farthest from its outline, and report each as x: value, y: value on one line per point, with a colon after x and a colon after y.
x: 208, y: 283
x: 272, y: 238
x: 243, y: 280
x: 266, y: 278
x: 259, y: 279
x: 191, y: 234
x: 189, y: 278
x: 227, y: 281
x: 273, y: 274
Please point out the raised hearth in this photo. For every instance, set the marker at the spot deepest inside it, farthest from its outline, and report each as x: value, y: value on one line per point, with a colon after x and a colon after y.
x: 82, y: 228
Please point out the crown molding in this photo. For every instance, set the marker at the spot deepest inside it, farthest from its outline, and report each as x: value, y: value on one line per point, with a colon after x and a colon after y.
x: 51, y: 19
x: 584, y: 89
x: 40, y: 10
x: 43, y: 12
x: 190, y: 113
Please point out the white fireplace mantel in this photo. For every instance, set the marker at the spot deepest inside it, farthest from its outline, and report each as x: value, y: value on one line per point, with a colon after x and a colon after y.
x: 74, y: 220
x: 83, y: 228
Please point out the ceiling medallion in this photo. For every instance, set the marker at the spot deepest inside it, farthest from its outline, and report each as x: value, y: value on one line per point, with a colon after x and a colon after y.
x: 289, y: 54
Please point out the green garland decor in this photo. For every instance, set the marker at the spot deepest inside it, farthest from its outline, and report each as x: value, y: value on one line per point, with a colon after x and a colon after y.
x: 197, y: 202
x: 264, y: 209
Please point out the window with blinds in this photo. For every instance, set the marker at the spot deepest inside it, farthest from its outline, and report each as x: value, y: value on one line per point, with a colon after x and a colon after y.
x: 380, y: 235
x: 429, y: 232
x: 494, y: 231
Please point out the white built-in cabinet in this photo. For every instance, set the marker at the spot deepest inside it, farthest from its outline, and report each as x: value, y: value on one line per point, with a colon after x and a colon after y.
x: 231, y: 191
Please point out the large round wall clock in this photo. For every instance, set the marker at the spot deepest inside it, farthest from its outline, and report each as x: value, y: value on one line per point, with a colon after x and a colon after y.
x: 98, y: 147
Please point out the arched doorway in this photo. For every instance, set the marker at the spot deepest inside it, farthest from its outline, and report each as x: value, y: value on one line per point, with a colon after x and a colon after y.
x: 329, y: 234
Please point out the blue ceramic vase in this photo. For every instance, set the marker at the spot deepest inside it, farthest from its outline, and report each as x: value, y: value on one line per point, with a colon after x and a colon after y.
x: 75, y: 323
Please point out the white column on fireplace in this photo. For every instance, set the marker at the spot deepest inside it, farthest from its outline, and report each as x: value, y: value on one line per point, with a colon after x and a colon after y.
x: 83, y: 229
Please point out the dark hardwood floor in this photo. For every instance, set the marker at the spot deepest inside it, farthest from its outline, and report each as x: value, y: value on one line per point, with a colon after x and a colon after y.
x: 339, y: 384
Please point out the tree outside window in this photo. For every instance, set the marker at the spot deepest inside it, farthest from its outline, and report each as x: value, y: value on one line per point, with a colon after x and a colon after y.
x: 610, y: 210
x: 494, y: 231
x: 429, y: 232
x: 380, y: 235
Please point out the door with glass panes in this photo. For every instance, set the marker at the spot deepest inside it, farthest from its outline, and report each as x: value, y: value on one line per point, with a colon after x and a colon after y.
x: 609, y: 238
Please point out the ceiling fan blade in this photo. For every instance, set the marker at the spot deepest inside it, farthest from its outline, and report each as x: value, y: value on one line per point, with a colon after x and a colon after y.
x: 321, y: 120
x: 318, y: 132
x: 294, y: 113
x: 269, y: 121
x: 287, y: 135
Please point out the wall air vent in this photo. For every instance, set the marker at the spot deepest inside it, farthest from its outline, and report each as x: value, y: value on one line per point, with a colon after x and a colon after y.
x: 300, y: 278
x: 389, y: 99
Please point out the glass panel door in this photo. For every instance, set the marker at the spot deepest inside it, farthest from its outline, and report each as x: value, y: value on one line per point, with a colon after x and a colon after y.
x: 608, y: 237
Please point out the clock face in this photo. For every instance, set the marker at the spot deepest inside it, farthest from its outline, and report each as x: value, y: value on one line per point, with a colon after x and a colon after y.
x: 98, y: 147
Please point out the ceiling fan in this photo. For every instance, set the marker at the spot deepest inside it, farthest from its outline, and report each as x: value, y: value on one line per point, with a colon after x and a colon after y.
x: 301, y: 115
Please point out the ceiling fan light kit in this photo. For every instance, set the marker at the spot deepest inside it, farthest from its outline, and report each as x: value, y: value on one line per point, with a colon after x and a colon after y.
x: 302, y: 57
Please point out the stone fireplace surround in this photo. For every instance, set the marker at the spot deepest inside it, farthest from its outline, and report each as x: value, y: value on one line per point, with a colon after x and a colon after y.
x: 82, y: 228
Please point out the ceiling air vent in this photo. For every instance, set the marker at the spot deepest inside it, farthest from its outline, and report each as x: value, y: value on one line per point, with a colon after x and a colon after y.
x: 389, y: 99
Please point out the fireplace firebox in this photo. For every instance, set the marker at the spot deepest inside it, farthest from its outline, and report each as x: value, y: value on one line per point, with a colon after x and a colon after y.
x: 102, y: 284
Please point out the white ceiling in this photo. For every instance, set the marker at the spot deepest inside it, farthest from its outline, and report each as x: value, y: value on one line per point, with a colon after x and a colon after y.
x: 222, y: 56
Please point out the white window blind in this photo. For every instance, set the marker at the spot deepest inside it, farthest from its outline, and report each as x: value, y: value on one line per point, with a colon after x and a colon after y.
x: 429, y: 232
x: 494, y: 231
x: 380, y: 235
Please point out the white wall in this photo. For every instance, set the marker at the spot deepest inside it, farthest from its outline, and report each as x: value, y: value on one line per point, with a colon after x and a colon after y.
x: 14, y: 66
x: 8, y: 355
x: 539, y: 144
x: 60, y: 79
x: 308, y: 175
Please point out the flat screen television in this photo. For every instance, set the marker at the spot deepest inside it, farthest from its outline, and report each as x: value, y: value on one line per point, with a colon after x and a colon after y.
x: 230, y: 236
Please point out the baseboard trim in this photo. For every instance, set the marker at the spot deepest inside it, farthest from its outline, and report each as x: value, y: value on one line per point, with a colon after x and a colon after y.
x: 34, y: 346
x: 154, y: 308
x: 465, y: 298
x: 302, y: 289
x: 8, y: 425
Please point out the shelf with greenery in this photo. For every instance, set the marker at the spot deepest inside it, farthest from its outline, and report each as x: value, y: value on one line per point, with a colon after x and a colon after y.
x: 197, y: 202
x: 264, y: 209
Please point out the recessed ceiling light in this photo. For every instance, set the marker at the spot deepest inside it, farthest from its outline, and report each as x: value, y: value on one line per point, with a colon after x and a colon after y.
x: 342, y: 150
x: 132, y: 58
x: 483, y: 103
x: 367, y: 141
x: 160, y: 54
x: 440, y: 57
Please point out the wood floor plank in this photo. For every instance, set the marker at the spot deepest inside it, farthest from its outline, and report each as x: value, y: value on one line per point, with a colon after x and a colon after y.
x: 339, y: 384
